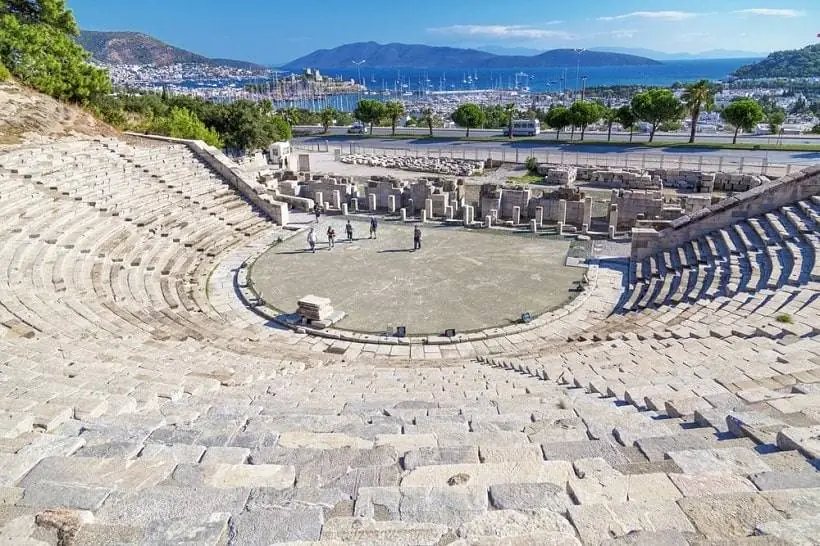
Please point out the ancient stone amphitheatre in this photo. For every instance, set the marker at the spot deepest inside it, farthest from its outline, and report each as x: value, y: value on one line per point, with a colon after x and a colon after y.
x: 148, y: 399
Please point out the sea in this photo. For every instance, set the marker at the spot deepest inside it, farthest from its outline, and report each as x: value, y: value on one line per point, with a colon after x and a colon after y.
x: 411, y: 85
x: 543, y: 79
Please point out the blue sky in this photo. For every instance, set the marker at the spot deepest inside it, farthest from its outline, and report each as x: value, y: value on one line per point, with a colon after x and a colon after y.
x: 271, y: 31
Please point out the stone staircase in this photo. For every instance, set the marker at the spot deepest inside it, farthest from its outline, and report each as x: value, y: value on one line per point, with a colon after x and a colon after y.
x: 143, y: 403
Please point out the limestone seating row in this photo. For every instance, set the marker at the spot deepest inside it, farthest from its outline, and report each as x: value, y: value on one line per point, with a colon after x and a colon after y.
x: 741, y: 259
x: 124, y: 249
x: 423, y: 456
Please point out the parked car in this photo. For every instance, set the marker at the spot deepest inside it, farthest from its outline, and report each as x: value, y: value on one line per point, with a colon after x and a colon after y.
x: 358, y: 128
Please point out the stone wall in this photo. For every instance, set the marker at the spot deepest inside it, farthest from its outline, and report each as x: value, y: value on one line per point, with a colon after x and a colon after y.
x: 757, y: 201
x: 254, y: 192
x: 634, y: 204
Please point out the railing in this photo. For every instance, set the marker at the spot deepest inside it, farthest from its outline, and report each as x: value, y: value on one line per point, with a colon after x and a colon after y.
x: 613, y: 160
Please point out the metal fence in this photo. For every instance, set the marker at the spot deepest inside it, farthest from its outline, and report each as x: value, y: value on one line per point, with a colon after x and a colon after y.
x: 745, y: 164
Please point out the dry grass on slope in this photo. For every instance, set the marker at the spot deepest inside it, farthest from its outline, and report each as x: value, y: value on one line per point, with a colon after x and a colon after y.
x: 28, y: 116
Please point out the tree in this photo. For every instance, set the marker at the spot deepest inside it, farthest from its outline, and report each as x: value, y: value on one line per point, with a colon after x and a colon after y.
x: 182, y: 123
x: 394, y: 110
x: 369, y: 111
x: 775, y: 120
x: 627, y: 118
x: 469, y: 116
x: 656, y: 106
x: 37, y: 47
x: 430, y: 118
x: 585, y: 113
x: 509, y: 111
x: 816, y: 129
x: 610, y: 116
x: 698, y: 96
x: 290, y: 115
x: 743, y: 114
x: 327, y: 116
x: 558, y: 118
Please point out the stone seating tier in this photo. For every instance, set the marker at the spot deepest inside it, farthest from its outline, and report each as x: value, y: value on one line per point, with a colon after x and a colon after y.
x: 143, y: 402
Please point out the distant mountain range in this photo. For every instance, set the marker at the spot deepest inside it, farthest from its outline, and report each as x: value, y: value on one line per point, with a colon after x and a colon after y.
x: 796, y: 63
x: 661, y: 56
x: 423, y: 56
x: 138, y: 48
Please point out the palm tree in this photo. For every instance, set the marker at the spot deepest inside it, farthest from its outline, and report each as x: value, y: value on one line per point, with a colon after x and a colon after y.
x: 509, y: 111
x: 698, y: 96
x: 394, y: 110
x: 290, y: 115
x: 428, y: 117
x: 327, y: 115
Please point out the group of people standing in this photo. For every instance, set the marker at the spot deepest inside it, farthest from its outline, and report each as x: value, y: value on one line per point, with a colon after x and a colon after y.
x: 312, y: 238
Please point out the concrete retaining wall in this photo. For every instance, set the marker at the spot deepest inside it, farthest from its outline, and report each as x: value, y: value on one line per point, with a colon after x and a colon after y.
x: 760, y: 200
x: 227, y: 169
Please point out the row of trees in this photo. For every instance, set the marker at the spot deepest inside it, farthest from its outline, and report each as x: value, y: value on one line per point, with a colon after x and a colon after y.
x: 242, y: 125
x: 659, y: 108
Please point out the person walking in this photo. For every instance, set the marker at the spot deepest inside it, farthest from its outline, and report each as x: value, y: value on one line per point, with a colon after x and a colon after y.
x: 331, y: 237
x: 417, y: 238
x: 311, y: 239
x: 317, y: 210
x: 349, y: 231
x: 374, y: 224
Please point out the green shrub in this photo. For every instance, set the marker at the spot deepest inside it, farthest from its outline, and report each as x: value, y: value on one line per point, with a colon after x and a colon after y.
x: 784, y: 318
x: 4, y: 73
x: 532, y: 165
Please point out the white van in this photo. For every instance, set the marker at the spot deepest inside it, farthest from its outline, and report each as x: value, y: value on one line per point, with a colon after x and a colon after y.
x: 524, y: 127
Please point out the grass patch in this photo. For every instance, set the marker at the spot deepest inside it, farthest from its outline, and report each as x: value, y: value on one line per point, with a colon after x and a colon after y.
x: 526, y: 179
x: 4, y: 73
x: 784, y: 318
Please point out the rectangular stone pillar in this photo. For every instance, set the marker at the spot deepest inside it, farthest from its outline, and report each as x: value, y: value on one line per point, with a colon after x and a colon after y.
x: 613, y: 217
x: 411, y: 208
x: 534, y: 225
x: 424, y: 215
x: 467, y: 215
x: 319, y: 198
x: 355, y: 204
x: 428, y: 207
x: 450, y: 212
x: 488, y: 221
x: 494, y: 214
x: 516, y: 215
x: 584, y: 228
x: 337, y: 199
x: 587, y: 212
x: 539, y: 216
x: 611, y: 232
x: 562, y: 211
x: 391, y: 204
x: 560, y: 228
x: 371, y: 202
x: 403, y: 215
x: 344, y: 209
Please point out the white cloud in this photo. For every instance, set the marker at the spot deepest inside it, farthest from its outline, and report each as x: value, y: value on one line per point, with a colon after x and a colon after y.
x: 655, y: 15
x: 504, y: 31
x: 770, y: 12
x: 625, y: 34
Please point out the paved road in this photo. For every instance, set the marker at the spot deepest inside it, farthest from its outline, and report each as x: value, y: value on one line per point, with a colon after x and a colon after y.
x: 592, y: 135
x: 524, y: 147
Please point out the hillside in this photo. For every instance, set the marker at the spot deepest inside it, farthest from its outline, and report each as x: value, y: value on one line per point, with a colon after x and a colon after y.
x: 422, y: 56
x: 137, y: 48
x: 797, y: 63
x: 27, y: 115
